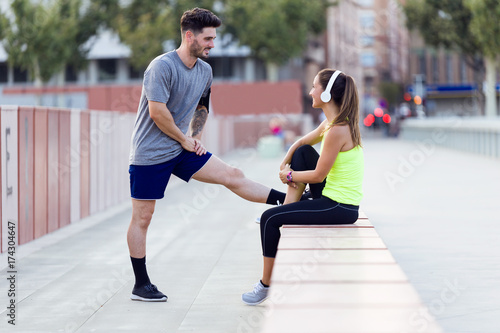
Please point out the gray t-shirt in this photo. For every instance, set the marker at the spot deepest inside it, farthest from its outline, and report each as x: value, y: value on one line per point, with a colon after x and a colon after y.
x: 167, y: 80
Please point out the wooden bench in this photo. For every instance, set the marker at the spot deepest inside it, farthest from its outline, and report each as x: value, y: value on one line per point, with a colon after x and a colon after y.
x: 341, y: 278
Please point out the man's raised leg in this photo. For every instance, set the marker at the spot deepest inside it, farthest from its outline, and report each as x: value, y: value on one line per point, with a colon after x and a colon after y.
x: 216, y: 171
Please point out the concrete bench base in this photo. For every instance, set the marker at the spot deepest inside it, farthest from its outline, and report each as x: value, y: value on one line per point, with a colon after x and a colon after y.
x: 341, y: 278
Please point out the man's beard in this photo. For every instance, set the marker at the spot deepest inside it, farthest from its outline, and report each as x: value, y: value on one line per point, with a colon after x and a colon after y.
x: 197, y: 50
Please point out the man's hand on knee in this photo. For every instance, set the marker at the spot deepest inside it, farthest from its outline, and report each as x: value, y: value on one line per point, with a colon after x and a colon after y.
x: 199, y: 149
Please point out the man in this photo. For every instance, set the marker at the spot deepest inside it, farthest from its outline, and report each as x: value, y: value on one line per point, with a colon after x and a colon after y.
x: 175, y: 95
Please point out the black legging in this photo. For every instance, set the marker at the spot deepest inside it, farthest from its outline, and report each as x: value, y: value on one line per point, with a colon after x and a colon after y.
x: 306, y: 158
x: 321, y: 210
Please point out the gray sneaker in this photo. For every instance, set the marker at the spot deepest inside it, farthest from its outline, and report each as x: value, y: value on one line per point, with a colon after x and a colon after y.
x: 256, y: 296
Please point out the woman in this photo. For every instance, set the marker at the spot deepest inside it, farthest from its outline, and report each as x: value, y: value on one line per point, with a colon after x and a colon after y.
x: 334, y: 176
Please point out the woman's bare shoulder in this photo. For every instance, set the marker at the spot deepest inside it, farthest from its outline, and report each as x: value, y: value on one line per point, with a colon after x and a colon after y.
x: 340, y: 130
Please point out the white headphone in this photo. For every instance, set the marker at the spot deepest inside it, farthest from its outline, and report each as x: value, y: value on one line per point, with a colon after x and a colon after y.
x: 325, y: 95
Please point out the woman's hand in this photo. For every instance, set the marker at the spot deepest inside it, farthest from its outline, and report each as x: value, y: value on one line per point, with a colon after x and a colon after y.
x: 284, y: 164
x: 283, y: 173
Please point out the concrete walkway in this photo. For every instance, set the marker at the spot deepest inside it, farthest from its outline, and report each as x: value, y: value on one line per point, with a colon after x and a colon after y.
x: 438, y: 211
x: 440, y: 219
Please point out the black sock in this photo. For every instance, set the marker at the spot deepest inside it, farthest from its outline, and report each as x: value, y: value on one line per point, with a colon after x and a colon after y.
x: 265, y: 285
x: 141, y: 275
x: 275, y: 197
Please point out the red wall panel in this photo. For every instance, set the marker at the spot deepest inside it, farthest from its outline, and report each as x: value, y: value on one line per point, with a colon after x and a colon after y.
x: 283, y: 97
x: 114, y: 98
x: 53, y: 170
x: 26, y: 174
x: 102, y: 97
x: 264, y: 97
x: 246, y: 134
x: 98, y: 98
x: 122, y: 99
x: 40, y: 172
x: 85, y: 164
x: 65, y: 168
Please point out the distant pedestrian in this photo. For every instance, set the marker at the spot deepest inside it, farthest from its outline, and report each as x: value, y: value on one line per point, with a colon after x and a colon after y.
x: 175, y: 98
x: 335, y: 176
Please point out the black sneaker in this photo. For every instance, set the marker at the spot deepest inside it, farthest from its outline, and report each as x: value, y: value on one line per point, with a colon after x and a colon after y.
x: 148, y: 293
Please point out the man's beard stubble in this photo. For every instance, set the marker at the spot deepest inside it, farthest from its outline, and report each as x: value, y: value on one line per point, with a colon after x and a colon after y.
x: 197, y: 51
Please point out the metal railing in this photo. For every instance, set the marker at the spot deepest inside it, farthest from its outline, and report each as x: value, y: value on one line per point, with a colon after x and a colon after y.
x: 474, y: 135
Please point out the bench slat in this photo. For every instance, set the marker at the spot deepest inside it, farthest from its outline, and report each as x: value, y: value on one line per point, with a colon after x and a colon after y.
x: 334, y: 257
x: 350, y: 320
x: 329, y: 232
x: 358, y: 224
x: 311, y: 272
x: 344, y: 295
x: 331, y: 243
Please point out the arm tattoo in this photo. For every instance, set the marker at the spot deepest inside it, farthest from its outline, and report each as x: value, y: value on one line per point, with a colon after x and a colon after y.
x: 199, y: 120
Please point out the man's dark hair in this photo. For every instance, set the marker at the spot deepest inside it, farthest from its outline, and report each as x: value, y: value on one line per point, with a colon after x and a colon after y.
x: 198, y: 18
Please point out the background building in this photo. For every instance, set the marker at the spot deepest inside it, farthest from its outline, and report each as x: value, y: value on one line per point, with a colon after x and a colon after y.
x: 369, y: 40
x: 343, y: 37
x: 384, y: 49
x: 449, y: 81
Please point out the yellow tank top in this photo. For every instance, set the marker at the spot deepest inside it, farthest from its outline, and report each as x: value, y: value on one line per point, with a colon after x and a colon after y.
x: 344, y: 182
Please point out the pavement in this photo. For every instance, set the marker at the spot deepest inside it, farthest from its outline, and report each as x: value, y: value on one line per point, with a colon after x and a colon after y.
x: 436, y: 209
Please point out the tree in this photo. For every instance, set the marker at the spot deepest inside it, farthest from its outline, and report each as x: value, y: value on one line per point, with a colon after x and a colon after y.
x: 447, y: 24
x: 145, y: 26
x: 32, y: 40
x: 264, y: 26
x: 4, y: 24
x: 99, y: 14
x: 275, y: 30
x: 43, y: 37
x: 484, y: 27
